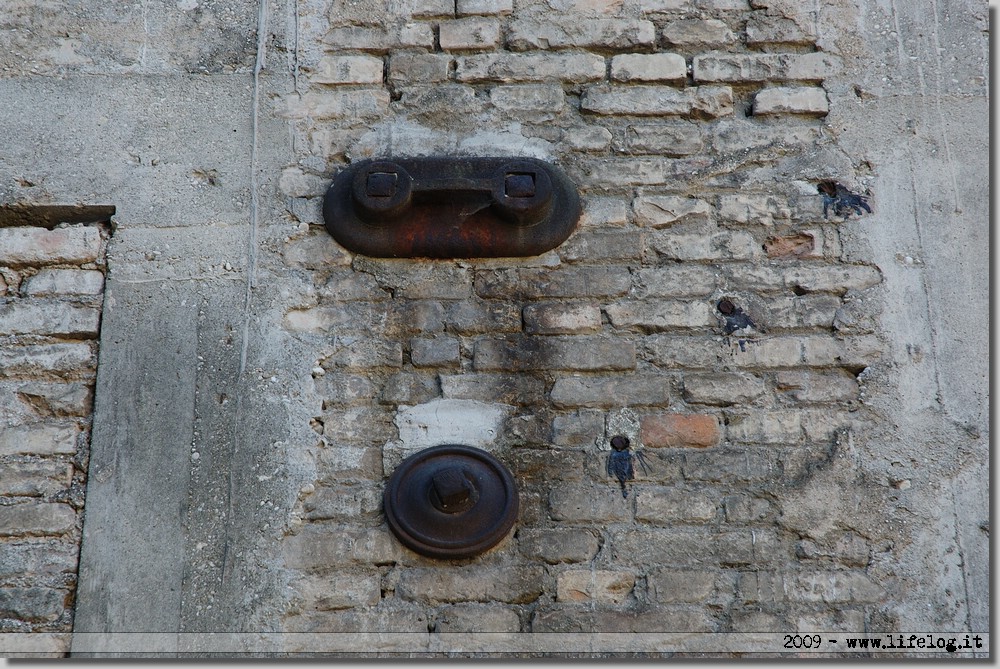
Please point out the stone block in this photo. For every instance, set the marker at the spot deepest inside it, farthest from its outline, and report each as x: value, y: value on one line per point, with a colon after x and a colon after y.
x: 765, y: 427
x: 365, y: 352
x: 407, y: 388
x: 41, y: 562
x: 340, y: 463
x: 470, y: 317
x: 46, y: 360
x: 586, y: 138
x: 727, y: 466
x: 580, y: 428
x: 649, y: 100
x: 606, y: 33
x: 746, y: 68
x: 754, y: 208
x: 446, y: 421
x: 596, y: 245
x: 746, y: 509
x: 807, y: 100
x: 294, y: 182
x: 807, y: 386
x: 668, y: 506
x: 315, y: 251
x: 604, y: 211
x: 440, y: 351
x: 531, y: 353
x: 354, y: 105
x: 418, y: 68
x: 348, y: 70
x: 670, y: 245
x: 675, y: 139
x: 324, y: 546
x: 767, y: 29
x: 343, y: 502
x: 529, y: 98
x: 35, y: 479
x: 648, y: 67
x: 722, y: 389
x: 561, y: 318
x: 609, y: 392
x: 343, y: 389
x: 698, y: 33
x: 57, y: 399
x: 512, y: 389
x: 690, y: 586
x: 415, y: 281
x: 469, y: 34
x: 476, y: 618
x: 586, y: 619
x: 58, y: 282
x: 547, y: 464
x: 31, y: 246
x: 39, y: 439
x: 676, y: 281
x: 659, y: 211
x: 680, y: 430
x: 585, y: 504
x: 514, y: 67
x: 36, y: 519
x: 658, y: 315
x: 49, y: 317
x: 594, y: 585
x: 479, y: 583
x: 531, y: 283
x: 381, y: 40
x: 558, y: 545
x: 340, y: 590
x: 483, y: 7
x: 34, y: 604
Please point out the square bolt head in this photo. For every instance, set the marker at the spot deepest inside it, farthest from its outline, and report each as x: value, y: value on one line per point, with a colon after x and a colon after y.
x: 519, y: 184
x: 381, y: 184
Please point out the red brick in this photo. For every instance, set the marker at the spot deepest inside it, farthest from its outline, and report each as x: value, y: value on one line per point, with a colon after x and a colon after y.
x: 680, y: 430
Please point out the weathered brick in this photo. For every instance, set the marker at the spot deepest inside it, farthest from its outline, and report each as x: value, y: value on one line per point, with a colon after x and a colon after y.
x: 23, y: 246
x: 342, y: 463
x: 559, y: 545
x: 35, y: 479
x: 765, y: 427
x: 468, y: 317
x: 676, y: 138
x: 365, y: 352
x: 468, y: 34
x: 797, y: 245
x: 666, y: 506
x: 728, y: 466
x: 512, y: 67
x: 600, y: 173
x: 839, y: 620
x: 831, y: 278
x: 379, y: 318
x: 42, y: 360
x: 322, y: 546
x: 754, y: 208
x: 596, y: 245
x: 336, y: 591
x: 766, y: 29
x: 74, y: 399
x: 39, y: 439
x: 835, y: 587
x: 358, y: 425
x: 676, y: 281
x: 594, y: 585
x: 388, y: 615
x: 847, y: 549
x: 656, y: 316
x: 744, y: 509
x: 674, y: 351
x: 547, y: 464
x: 344, y: 389
x: 446, y: 421
x: 670, y: 586
x: 649, y: 67
x: 343, y: 502
x: 561, y: 318
x: 655, y: 6
x: 436, y: 102
x: 658, y: 211
x: 294, y: 182
x: 407, y: 388
x: 315, y: 251
x: 348, y: 70
x: 529, y: 353
x: 823, y: 425
x: 803, y: 386
x: 483, y: 7
x: 473, y: 618
x: 49, y: 317
x: 791, y: 100
x: 440, y: 351
x: 36, y: 519
x: 701, y: 246
x: 609, y: 33
x: 40, y: 562
x: 529, y: 98
x: 374, y: 12
x: 755, y: 620
x: 478, y: 583
x: 586, y: 138
x: 418, y: 68
x: 722, y: 67
x: 583, y: 503
x: 692, y: 546
x: 604, y: 211
x: 417, y: 280
x: 579, y: 428
x: 722, y: 388
x: 380, y: 40
x: 514, y: 389
x: 700, y: 33
x: 649, y: 100
x: 680, y: 430
x: 530, y: 283
x: 356, y: 105
x: 585, y: 619
x: 850, y: 352
x: 593, y: 391
x: 64, y: 282
x: 32, y: 603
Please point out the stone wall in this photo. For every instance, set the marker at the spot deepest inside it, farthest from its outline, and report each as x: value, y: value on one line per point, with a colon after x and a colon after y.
x: 51, y: 294
x: 705, y: 309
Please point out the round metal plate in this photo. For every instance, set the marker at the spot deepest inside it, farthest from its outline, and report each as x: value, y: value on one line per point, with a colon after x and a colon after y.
x: 420, y: 520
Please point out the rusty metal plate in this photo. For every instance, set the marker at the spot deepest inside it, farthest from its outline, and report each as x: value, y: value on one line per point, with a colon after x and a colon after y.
x: 451, y: 207
x: 451, y: 501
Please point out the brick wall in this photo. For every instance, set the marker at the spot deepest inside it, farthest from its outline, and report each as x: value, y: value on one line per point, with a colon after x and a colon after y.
x: 51, y: 294
x: 705, y: 308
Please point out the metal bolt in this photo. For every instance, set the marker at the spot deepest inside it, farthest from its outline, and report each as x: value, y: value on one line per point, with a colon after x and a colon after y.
x: 519, y: 185
x: 380, y: 184
x: 451, y: 490
x: 620, y: 442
